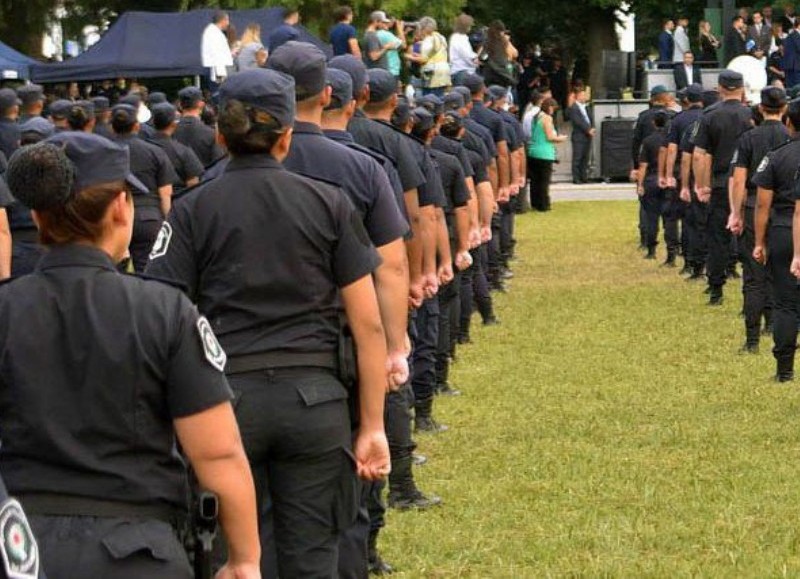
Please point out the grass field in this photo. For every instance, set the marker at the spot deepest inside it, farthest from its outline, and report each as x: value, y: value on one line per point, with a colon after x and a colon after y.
x: 608, y: 427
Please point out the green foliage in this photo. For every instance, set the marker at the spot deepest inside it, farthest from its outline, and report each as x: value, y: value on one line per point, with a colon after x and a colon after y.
x: 607, y: 428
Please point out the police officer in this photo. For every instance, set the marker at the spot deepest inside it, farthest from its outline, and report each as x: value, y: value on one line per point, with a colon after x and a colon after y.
x: 776, y: 180
x: 271, y: 257
x: 102, y: 114
x: 191, y: 130
x: 753, y: 146
x: 188, y: 167
x: 32, y: 101
x: 81, y: 116
x: 714, y: 145
x: 95, y: 467
x: 59, y: 114
x: 6, y: 202
x: 9, y: 128
x: 648, y: 186
x: 153, y: 168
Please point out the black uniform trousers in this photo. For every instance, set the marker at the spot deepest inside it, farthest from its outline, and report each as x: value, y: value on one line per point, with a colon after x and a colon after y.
x: 125, y: 548
x: 697, y: 225
x: 466, y: 296
x: 295, y: 427
x: 786, y: 294
x: 671, y: 209
x: 449, y: 316
x: 507, y: 216
x: 540, y: 173
x: 423, y: 377
x: 493, y: 247
x: 756, y: 282
x: 719, y: 238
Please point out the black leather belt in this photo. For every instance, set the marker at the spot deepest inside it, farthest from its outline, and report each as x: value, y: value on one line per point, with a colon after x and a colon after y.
x: 49, y: 504
x: 268, y: 360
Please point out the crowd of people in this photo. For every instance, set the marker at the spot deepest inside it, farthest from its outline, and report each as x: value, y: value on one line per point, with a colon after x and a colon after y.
x: 721, y: 177
x: 280, y: 275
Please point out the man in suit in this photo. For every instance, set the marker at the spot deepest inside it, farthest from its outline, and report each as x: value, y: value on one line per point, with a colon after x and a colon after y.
x: 582, y: 135
x: 761, y: 34
x: 680, y: 40
x: 735, y: 43
x: 666, y: 45
x: 686, y: 73
x: 791, y: 56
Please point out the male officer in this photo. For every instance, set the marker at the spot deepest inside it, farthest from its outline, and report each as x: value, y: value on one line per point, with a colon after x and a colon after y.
x: 753, y: 147
x: 102, y: 114
x: 9, y: 128
x: 188, y: 167
x: 776, y: 180
x: 714, y: 145
x: 32, y: 97
x: 191, y: 130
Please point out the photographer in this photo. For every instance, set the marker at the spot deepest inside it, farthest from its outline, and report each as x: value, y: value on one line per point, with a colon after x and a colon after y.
x: 432, y: 58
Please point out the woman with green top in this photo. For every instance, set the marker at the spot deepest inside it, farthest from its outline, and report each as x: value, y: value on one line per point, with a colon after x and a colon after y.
x: 542, y: 154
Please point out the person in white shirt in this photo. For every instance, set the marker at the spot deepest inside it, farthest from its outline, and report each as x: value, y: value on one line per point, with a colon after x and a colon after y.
x: 463, y: 59
x: 680, y: 40
x: 216, y: 52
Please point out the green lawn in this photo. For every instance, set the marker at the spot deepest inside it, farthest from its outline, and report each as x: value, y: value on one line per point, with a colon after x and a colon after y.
x: 608, y: 427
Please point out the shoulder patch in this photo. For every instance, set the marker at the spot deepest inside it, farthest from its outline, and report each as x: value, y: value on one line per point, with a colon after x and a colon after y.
x: 211, y: 347
x: 762, y: 166
x: 18, y: 546
x: 161, y: 244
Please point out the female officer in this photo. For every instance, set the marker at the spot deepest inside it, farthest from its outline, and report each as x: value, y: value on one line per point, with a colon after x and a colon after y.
x: 98, y: 373
x: 270, y: 257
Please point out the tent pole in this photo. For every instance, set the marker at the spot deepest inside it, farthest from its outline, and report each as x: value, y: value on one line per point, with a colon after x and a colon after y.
x: 197, y: 80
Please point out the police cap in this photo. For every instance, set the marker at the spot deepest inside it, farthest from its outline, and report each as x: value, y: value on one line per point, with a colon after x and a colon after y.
x: 101, y: 105
x: 341, y: 88
x: 190, y: 97
x: 164, y: 114
x: 382, y: 85
x: 453, y: 101
x: 465, y: 93
x: 132, y: 98
x: 730, y: 79
x: 423, y: 119
x: 354, y: 67
x: 60, y: 109
x: 125, y: 113
x: 773, y: 97
x: 694, y: 93
x: 8, y: 99
x: 156, y: 98
x: 680, y: 94
x: 497, y: 92
x: 474, y: 82
x: 433, y: 103
x: 87, y: 106
x: 710, y: 97
x: 30, y: 93
x: 402, y: 114
x: 267, y: 90
x: 39, y: 125
x: 305, y: 63
x: 657, y: 90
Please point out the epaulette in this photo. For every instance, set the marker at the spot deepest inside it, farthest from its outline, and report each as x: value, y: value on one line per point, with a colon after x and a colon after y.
x: 183, y: 193
x: 170, y: 282
x: 369, y: 152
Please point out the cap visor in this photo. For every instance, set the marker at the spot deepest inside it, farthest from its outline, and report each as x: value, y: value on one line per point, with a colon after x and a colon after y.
x: 136, y: 184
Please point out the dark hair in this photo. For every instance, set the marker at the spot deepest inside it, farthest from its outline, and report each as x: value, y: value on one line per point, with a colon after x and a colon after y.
x: 161, y: 122
x: 535, y: 97
x: 420, y: 133
x: 122, y: 122
x: 793, y: 113
x: 247, y: 130
x: 496, y: 42
x: 659, y: 120
x: 289, y: 12
x: 78, y: 118
x: 342, y: 13
x: 219, y: 16
x: 451, y: 126
x: 549, y: 106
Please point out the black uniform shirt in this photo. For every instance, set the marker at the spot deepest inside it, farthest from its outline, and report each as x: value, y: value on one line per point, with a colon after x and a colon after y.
x: 263, y: 252
x: 778, y: 171
x: 104, y: 130
x: 516, y: 139
x: 382, y: 138
x: 753, y: 145
x: 149, y: 163
x: 314, y: 155
x: 457, y: 149
x: 489, y: 119
x: 194, y: 133
x: 718, y: 134
x: 644, y: 127
x: 682, y: 122
x: 455, y: 189
x: 184, y: 160
x: 475, y: 128
x: 94, y: 367
x: 650, y: 150
x: 10, y: 137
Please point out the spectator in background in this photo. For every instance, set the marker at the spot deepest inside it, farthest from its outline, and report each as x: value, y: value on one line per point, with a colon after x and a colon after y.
x: 761, y: 34
x: 463, y: 59
x: 735, y: 43
x: 680, y: 40
x: 394, y: 42
x: 708, y: 45
x: 766, y: 12
x: 252, y: 53
x: 286, y: 32
x: 686, y: 73
x: 343, y: 36
x: 789, y: 18
x: 542, y: 154
x: 432, y: 58
x: 582, y: 135
x: 498, y: 67
x: 791, y: 57
x: 775, y: 72
x: 666, y: 44
x: 374, y: 52
x: 559, y: 83
x: 216, y: 52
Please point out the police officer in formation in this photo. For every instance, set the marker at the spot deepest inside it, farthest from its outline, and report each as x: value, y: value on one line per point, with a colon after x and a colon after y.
x: 325, y: 215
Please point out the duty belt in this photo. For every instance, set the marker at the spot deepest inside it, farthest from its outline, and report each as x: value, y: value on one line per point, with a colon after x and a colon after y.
x: 267, y: 360
x: 51, y: 504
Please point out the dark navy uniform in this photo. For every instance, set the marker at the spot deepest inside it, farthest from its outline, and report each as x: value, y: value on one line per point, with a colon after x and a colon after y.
x: 153, y: 168
x: 753, y: 147
x: 9, y: 136
x: 184, y: 160
x: 653, y: 199
x: 697, y: 252
x: 201, y: 138
x: 718, y: 134
x: 778, y: 172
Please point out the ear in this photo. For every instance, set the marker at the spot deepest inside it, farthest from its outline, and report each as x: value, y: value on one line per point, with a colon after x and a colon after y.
x: 121, y: 209
x: 221, y: 140
x: 280, y: 149
x: 393, y: 101
x: 325, y: 96
x: 350, y: 109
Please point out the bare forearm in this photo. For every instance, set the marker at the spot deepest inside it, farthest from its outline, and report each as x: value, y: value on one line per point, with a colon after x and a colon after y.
x: 763, y: 206
x: 737, y: 193
x: 442, y: 238
x: 462, y: 228
x: 485, y: 203
x: 686, y: 169
x: 391, y: 285
x: 672, y: 154
x: 429, y: 237
x: 5, y: 254
x: 503, y: 166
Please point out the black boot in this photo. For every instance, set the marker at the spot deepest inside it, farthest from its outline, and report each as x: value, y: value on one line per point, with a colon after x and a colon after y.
x: 749, y: 347
x: 442, y: 385
x: 670, y: 261
x: 686, y: 269
x: 403, y: 491
x: 715, y: 296
x: 651, y: 253
x: 377, y: 566
x: 767, y: 331
x: 423, y: 418
x: 486, y: 310
x: 785, y: 370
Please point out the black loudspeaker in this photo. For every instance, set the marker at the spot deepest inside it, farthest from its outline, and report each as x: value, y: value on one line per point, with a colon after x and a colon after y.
x: 615, y: 72
x: 615, y: 148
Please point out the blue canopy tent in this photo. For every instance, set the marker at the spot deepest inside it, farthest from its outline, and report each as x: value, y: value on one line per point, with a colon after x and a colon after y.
x: 155, y: 44
x: 14, y: 64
